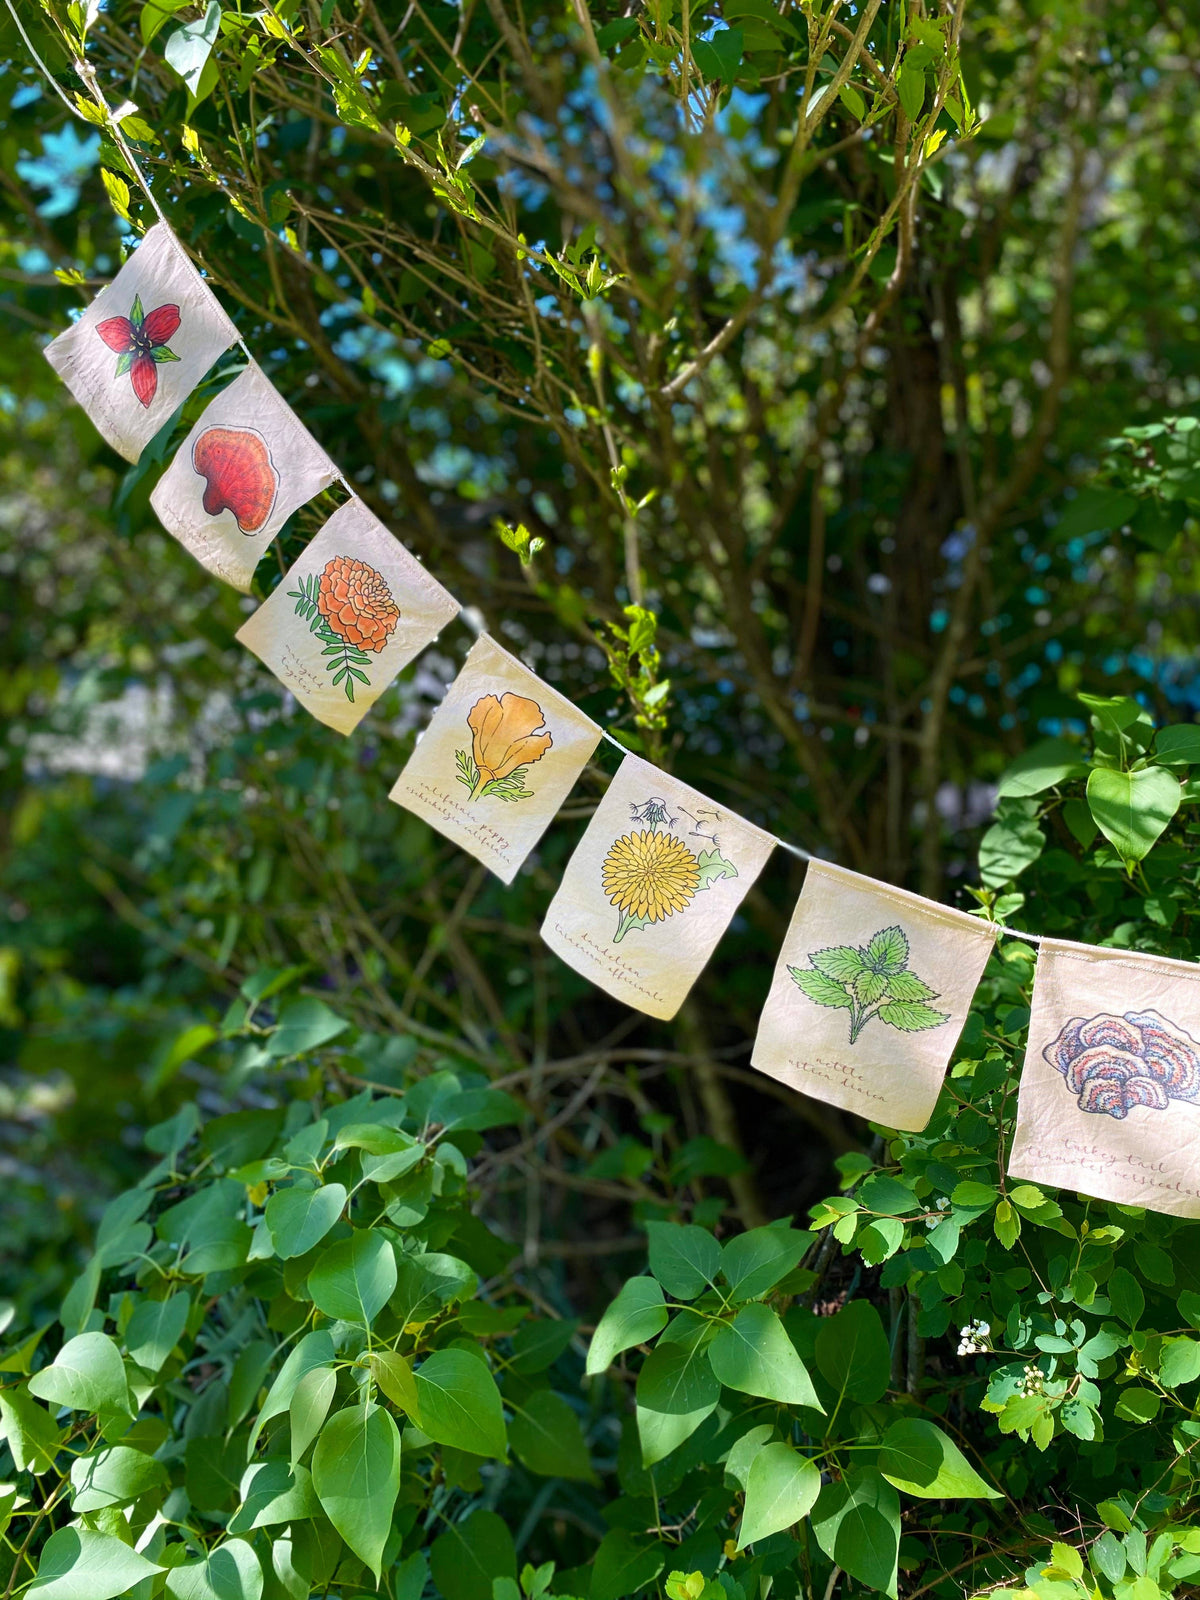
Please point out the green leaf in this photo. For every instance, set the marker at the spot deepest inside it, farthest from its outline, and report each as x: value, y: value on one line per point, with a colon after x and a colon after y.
x: 77, y: 1564
x: 458, y: 1403
x: 1132, y: 809
x: 820, y: 989
x: 888, y: 950
x: 753, y: 1262
x: 907, y: 986
x: 879, y: 1240
x: 1126, y: 1297
x: 155, y: 1328
x: 1180, y: 1362
x: 677, y: 1379
x: 114, y: 1477
x: 624, y: 1565
x: 1009, y: 846
x: 305, y: 1023
x: 31, y: 1432
x: 741, y: 1456
x: 298, y: 1219
x: 720, y: 55
x: 189, y: 47
x: 711, y: 863
x: 676, y: 1390
x: 755, y: 1356
x: 868, y: 987
x: 356, y: 1473
x: 394, y: 1375
x: 310, y: 1406
x: 1179, y: 745
x: 154, y: 14
x: 637, y: 1314
x: 86, y: 1375
x: 853, y: 1354
x: 538, y: 1345
x: 919, y: 1458
x: 842, y: 962
x: 313, y: 1350
x: 426, y: 1283
x: 469, y: 1556
x: 353, y: 1279
x: 230, y: 1572
x: 547, y: 1438
x: 685, y: 1260
x: 781, y: 1487
x: 273, y: 1492
x: 1138, y: 1405
x: 910, y: 86
x: 857, y: 1525
x: 1041, y: 767
x: 911, y: 1017
x: 1094, y: 510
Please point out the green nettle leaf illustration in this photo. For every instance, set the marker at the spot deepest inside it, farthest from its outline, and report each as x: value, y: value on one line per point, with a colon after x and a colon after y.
x: 871, y: 981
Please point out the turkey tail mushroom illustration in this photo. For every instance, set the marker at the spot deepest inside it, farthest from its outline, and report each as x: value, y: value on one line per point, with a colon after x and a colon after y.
x: 239, y: 475
x: 1113, y: 1063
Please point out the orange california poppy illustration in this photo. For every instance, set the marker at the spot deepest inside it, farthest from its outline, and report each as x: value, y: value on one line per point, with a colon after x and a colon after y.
x: 508, y: 734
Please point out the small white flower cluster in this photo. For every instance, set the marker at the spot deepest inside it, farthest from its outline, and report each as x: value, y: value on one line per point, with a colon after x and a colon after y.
x: 973, y: 1339
x: 1033, y: 1381
x: 942, y: 1205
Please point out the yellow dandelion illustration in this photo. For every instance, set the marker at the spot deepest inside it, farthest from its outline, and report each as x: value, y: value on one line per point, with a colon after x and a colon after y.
x: 649, y: 876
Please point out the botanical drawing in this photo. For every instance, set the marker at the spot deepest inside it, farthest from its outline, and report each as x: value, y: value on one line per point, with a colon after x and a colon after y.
x: 239, y: 475
x: 349, y: 607
x: 1113, y: 1063
x: 651, y: 874
x: 508, y: 734
x: 140, y: 341
x: 870, y: 981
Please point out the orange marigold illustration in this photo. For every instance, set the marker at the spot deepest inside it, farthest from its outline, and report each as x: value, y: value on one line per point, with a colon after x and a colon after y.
x: 650, y: 875
x: 356, y: 602
x: 349, y: 607
x: 508, y: 734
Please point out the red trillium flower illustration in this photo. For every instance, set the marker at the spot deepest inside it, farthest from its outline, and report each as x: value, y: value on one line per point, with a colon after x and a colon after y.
x: 140, y: 340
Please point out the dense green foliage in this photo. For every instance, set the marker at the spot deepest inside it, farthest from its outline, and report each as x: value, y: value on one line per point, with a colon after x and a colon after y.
x: 807, y: 392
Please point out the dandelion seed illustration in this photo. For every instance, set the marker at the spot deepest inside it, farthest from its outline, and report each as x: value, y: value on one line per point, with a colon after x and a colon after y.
x: 650, y: 875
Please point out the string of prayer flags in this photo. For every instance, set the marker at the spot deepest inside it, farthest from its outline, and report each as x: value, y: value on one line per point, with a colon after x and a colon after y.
x: 870, y: 993
x: 498, y: 759
x: 350, y: 614
x: 243, y: 469
x: 1109, y: 1103
x: 873, y: 984
x: 651, y: 887
x: 143, y: 344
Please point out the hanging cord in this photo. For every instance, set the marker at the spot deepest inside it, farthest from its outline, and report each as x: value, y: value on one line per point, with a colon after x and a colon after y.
x: 87, y: 74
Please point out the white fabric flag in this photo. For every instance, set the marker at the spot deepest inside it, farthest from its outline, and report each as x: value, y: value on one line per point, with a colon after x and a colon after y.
x: 245, y: 467
x: 871, y: 991
x: 500, y: 755
x: 143, y: 344
x: 350, y: 614
x: 1109, y: 1103
x: 651, y: 887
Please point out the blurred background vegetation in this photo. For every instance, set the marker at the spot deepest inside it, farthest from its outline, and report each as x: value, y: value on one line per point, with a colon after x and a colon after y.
x: 840, y: 375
